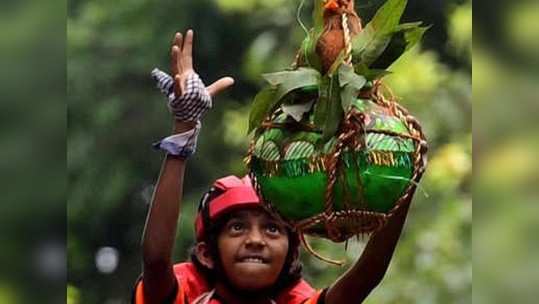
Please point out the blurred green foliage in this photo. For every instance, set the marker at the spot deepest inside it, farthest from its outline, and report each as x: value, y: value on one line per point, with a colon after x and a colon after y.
x: 505, y: 92
x: 32, y: 157
x: 115, y: 113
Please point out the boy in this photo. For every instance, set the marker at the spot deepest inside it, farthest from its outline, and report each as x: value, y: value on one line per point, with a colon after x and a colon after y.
x: 243, y: 254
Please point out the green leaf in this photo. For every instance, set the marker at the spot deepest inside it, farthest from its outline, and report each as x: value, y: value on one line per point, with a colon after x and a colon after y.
x: 348, y: 95
x: 281, y: 83
x: 369, y: 73
x: 389, y: 15
x: 321, y: 105
x: 328, y: 111
x: 369, y: 44
x: 406, y: 37
x: 263, y: 104
x: 307, y: 50
x: 335, y: 112
x: 318, y: 15
x: 414, y: 35
x: 336, y: 64
x: 347, y: 76
x: 286, y: 82
x: 318, y: 20
x: 350, y: 83
x: 307, y: 75
x: 296, y: 111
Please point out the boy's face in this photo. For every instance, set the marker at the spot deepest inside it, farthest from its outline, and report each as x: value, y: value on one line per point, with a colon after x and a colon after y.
x: 253, y: 247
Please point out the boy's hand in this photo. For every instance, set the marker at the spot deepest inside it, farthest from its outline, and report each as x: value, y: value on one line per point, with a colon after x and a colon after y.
x: 188, y: 98
x: 182, y: 66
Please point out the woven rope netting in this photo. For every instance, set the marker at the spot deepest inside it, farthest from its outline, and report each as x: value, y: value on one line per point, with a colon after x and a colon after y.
x: 351, y: 136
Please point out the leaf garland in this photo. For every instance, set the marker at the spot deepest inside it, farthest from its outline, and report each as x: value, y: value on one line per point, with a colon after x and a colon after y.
x: 337, y: 92
x: 382, y: 41
x: 374, y: 49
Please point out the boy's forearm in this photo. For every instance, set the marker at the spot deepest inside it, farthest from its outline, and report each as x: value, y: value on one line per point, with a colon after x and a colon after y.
x: 161, y: 223
x: 160, y: 231
x: 369, y: 270
x: 381, y: 246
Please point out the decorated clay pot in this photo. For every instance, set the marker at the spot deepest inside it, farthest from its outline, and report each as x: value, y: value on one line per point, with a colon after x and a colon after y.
x: 347, y: 185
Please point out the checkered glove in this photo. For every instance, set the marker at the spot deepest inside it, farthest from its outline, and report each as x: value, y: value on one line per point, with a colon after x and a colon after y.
x: 192, y: 104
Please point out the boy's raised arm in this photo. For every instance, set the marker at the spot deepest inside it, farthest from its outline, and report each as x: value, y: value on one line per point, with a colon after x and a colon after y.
x: 358, y: 282
x: 188, y: 100
x: 160, y: 229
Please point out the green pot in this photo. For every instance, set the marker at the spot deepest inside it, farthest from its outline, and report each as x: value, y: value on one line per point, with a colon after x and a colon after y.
x: 290, y: 166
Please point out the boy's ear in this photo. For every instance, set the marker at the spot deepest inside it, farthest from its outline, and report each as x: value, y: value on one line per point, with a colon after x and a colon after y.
x: 203, y: 254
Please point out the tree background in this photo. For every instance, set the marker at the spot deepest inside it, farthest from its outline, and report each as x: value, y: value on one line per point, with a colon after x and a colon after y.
x: 115, y: 113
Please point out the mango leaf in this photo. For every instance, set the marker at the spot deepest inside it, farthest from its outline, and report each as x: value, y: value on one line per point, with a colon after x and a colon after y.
x: 406, y: 37
x: 347, y: 76
x: 370, y: 74
x: 335, y: 112
x: 300, y: 78
x: 328, y: 112
x: 350, y: 83
x: 296, y: 111
x: 263, y: 104
x: 287, y: 81
x: 414, y: 35
x: 281, y: 83
x: 321, y: 105
x: 348, y: 95
x: 389, y: 15
x: 369, y: 44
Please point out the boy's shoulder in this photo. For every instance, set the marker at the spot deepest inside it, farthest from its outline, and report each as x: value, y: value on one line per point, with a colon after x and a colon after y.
x: 190, y: 280
x: 297, y: 293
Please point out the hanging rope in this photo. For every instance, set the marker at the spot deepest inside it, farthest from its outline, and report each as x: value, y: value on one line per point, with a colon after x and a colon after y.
x: 347, y: 39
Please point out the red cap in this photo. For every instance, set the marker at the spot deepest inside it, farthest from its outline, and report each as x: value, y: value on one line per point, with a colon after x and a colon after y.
x: 237, y: 193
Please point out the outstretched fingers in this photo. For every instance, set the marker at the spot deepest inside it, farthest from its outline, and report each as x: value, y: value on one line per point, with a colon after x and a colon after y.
x: 220, y: 85
x: 175, y: 64
x: 181, y: 65
x: 187, y: 52
x: 176, y: 67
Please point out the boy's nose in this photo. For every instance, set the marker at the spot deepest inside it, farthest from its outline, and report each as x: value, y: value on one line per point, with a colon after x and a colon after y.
x: 255, y: 237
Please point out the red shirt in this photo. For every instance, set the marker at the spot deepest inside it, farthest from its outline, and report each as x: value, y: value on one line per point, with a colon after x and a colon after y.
x: 192, y: 287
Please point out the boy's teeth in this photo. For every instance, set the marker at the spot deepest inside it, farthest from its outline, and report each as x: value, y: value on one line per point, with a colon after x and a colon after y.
x: 253, y: 260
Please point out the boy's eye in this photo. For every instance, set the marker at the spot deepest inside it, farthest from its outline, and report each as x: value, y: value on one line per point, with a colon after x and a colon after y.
x: 273, y: 229
x: 236, y: 226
